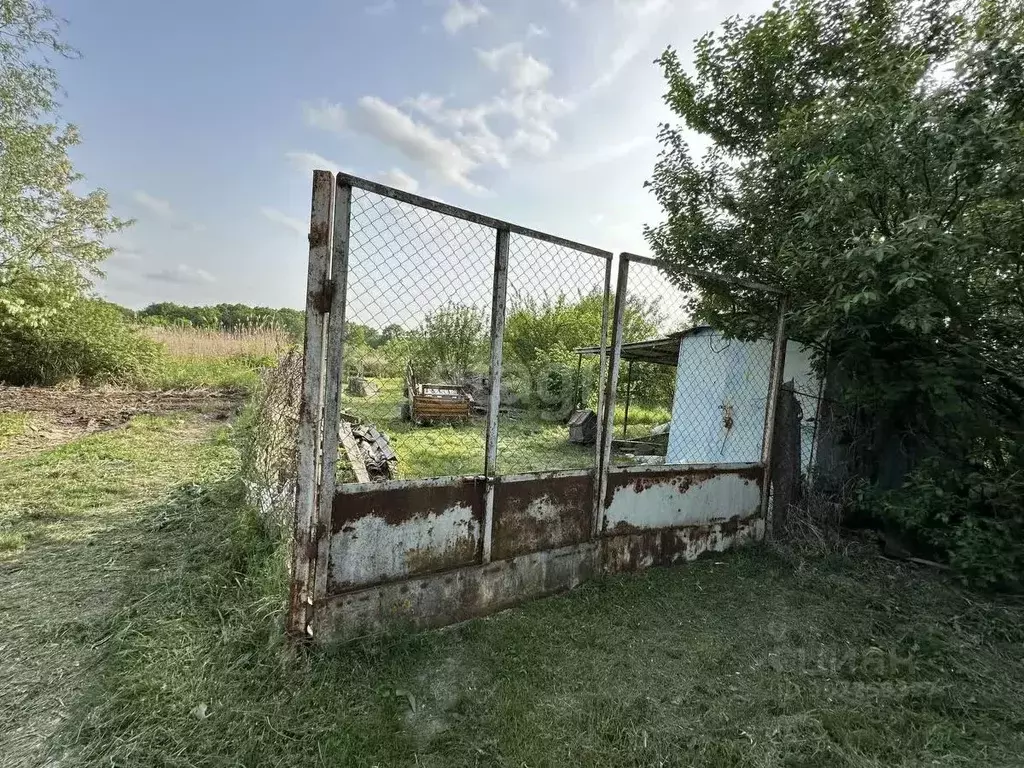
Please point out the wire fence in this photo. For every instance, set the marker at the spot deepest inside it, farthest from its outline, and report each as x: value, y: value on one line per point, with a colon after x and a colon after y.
x: 419, y: 344
x: 417, y: 350
x: 437, y: 299
x: 557, y: 304
x: 685, y: 393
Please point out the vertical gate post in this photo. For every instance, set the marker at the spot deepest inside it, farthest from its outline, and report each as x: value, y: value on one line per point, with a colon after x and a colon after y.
x: 332, y: 388
x: 774, y: 382
x: 501, y: 247
x: 602, y: 371
x: 311, y: 404
x: 618, y: 316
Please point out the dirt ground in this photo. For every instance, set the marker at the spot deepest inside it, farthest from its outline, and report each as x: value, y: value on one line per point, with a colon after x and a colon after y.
x: 58, y: 416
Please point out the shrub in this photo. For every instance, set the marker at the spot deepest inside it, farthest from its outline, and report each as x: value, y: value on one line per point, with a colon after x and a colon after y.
x: 89, y: 341
x: 973, y: 516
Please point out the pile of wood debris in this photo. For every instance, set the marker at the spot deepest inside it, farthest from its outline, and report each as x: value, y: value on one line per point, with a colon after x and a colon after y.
x: 369, y: 452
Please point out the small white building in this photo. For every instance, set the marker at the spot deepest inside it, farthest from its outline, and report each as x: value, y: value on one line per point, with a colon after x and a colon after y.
x: 721, y: 392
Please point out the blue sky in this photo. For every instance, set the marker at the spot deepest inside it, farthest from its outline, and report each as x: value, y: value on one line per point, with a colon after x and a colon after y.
x: 204, y: 118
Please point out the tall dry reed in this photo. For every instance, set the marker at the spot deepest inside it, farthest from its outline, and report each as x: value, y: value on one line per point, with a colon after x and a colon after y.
x: 207, y: 342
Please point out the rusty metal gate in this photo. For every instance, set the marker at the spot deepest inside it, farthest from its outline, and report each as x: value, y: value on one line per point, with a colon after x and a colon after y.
x: 488, y: 502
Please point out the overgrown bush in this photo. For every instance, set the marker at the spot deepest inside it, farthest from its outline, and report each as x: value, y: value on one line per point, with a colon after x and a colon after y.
x: 868, y: 158
x: 88, y: 340
x: 972, y: 515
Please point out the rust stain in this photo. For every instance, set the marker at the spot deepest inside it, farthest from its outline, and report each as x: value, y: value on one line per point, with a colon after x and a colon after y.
x: 426, y: 560
x: 399, y: 505
x: 682, y: 479
x: 630, y: 550
x: 546, y: 512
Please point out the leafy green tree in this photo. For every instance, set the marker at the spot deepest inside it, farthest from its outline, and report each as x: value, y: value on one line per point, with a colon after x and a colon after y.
x: 51, y: 237
x: 541, y: 336
x: 868, y: 156
x: 452, y: 343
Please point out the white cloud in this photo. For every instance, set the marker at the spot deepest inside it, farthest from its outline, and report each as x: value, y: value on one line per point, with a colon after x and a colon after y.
x: 640, y: 7
x: 396, y: 177
x: 523, y: 71
x: 571, y: 5
x: 648, y: 19
x: 325, y: 116
x: 164, y: 211
x: 182, y: 274
x: 297, y: 226
x: 380, y: 8
x: 605, y: 153
x: 156, y: 205
x: 417, y: 141
x: 311, y: 161
x: 459, y: 15
x: 536, y: 30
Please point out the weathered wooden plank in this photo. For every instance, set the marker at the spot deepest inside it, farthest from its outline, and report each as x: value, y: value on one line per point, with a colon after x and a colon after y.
x: 355, y: 456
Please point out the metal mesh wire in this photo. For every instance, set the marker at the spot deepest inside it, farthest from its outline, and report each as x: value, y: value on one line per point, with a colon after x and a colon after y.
x: 418, y: 342
x: 655, y: 310
x: 417, y: 334
x: 555, y: 302
x: 704, y: 399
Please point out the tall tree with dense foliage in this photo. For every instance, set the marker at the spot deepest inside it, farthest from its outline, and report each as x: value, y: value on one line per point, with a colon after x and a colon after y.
x: 868, y: 156
x: 51, y: 237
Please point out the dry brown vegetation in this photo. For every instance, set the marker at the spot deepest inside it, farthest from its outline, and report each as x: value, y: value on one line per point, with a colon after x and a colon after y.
x: 206, y: 342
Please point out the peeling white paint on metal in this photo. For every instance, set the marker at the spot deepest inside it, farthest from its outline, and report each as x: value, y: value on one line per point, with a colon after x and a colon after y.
x: 669, y: 502
x: 371, y: 549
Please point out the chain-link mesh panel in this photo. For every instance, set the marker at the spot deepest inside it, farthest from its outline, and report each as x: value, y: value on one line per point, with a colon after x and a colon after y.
x: 653, y: 315
x: 685, y: 394
x: 416, y: 356
x: 808, y: 424
x: 556, y: 300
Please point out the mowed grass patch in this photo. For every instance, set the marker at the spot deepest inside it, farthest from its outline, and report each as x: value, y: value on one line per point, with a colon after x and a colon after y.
x: 173, y: 617
x: 71, y: 519
x: 12, y: 424
x: 744, y: 660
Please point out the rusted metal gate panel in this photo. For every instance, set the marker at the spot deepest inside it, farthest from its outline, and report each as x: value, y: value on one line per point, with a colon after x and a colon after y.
x: 432, y: 551
x: 662, y: 516
x: 670, y: 546
x: 395, y: 531
x: 456, y: 595
x: 650, y: 498
x: 542, y: 511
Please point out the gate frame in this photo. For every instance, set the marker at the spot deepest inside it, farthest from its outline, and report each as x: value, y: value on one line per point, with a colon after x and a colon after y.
x: 320, y: 405
x: 326, y: 296
x: 774, y: 378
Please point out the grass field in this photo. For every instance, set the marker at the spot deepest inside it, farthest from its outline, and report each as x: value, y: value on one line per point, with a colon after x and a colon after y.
x: 141, y: 628
x: 201, y: 357
x: 528, y: 440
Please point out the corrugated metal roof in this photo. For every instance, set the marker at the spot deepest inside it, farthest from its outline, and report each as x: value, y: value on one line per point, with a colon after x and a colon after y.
x: 662, y: 351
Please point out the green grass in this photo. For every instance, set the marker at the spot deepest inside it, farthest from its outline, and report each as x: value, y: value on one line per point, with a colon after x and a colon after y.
x: 12, y: 424
x: 641, y: 419
x: 72, y: 521
x: 142, y: 629
x: 237, y: 372
x: 527, y: 441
